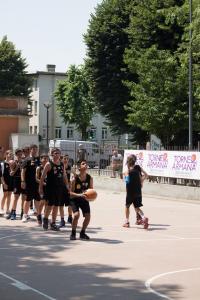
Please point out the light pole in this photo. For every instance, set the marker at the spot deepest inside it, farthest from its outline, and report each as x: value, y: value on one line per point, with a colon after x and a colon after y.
x: 190, y: 81
x: 47, y: 105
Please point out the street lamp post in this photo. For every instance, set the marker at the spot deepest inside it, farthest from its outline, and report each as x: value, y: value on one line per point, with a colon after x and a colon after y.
x: 47, y: 105
x: 190, y: 81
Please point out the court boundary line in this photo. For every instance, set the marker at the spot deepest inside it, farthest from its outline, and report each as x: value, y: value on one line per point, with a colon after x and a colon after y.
x: 20, y: 285
x: 8, y: 236
x: 149, y: 281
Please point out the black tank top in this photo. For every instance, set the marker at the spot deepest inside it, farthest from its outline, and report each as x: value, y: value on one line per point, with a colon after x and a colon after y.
x: 30, y: 164
x: 6, y: 170
x: 81, y: 186
x: 18, y: 168
x: 55, y: 175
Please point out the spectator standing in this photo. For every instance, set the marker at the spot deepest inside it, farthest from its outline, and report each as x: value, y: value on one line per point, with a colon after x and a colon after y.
x: 116, y: 164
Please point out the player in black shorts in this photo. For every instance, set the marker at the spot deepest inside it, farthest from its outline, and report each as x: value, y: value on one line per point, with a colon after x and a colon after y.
x: 44, y: 158
x: 15, y: 167
x: 134, y: 191
x: 7, y: 183
x: 65, y: 160
x: 29, y: 182
x: 56, y: 188
x: 80, y: 183
x: 26, y: 154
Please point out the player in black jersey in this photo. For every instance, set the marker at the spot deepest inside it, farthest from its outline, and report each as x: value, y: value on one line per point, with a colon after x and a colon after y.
x: 29, y: 182
x: 15, y: 167
x: 134, y: 191
x: 65, y: 160
x: 80, y: 183
x: 26, y: 154
x: 44, y: 158
x: 7, y: 183
x: 56, y: 188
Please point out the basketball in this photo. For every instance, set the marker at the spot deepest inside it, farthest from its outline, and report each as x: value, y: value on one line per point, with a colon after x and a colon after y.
x: 90, y: 194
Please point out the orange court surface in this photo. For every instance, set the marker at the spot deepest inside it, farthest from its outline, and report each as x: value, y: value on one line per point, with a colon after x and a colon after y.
x: 162, y: 262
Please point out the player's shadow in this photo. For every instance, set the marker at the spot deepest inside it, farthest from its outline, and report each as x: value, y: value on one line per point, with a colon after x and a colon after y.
x: 161, y: 225
x: 106, y: 241
x: 155, y: 227
x: 43, y: 261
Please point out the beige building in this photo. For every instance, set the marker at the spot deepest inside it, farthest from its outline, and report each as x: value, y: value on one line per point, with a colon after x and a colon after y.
x: 43, y: 103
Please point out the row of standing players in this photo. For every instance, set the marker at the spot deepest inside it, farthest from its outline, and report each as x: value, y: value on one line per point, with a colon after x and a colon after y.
x: 46, y: 181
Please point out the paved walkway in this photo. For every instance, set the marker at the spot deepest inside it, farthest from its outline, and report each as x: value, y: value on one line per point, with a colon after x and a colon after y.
x: 162, y: 262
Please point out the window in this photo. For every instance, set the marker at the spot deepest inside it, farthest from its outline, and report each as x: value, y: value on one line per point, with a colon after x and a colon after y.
x: 58, y: 132
x: 31, y: 129
x: 35, y: 108
x: 92, y: 133
x: 104, y: 133
x: 70, y: 133
x: 35, y: 129
x: 44, y: 132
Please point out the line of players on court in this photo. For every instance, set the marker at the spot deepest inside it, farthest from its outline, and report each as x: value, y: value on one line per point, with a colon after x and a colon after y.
x: 45, y: 181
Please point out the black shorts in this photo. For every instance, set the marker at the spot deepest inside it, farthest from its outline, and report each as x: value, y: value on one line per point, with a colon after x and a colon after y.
x: 17, y: 190
x: 9, y: 181
x: 32, y: 192
x: 81, y: 203
x: 24, y: 192
x: 32, y: 195
x: 9, y: 187
x: 135, y: 200
x: 57, y: 196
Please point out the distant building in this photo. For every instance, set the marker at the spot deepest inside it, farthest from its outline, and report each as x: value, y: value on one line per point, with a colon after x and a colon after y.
x: 44, y: 85
x: 13, y: 119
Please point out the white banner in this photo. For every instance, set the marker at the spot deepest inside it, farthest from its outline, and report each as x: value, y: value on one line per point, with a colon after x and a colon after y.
x: 176, y: 164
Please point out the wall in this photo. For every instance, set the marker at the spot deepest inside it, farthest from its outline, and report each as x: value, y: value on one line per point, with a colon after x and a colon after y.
x: 7, y: 126
x: 167, y: 191
x: 13, y: 118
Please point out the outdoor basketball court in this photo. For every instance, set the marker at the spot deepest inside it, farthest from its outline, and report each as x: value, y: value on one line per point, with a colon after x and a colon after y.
x: 162, y: 262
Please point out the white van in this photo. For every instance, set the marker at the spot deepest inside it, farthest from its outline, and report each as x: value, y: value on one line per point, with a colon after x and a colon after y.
x: 71, y: 148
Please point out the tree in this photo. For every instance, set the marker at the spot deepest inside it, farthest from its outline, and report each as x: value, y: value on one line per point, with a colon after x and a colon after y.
x: 74, y: 101
x: 13, y: 77
x: 196, y: 49
x: 159, y: 99
x: 106, y: 41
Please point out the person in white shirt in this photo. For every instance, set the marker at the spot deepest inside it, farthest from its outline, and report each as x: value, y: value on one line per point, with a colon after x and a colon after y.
x: 116, y: 164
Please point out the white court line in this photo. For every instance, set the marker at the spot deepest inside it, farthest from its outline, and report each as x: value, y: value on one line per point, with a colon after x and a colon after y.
x: 20, y: 285
x: 149, y: 281
x: 8, y: 236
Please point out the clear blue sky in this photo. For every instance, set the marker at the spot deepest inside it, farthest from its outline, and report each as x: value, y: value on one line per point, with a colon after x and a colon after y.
x: 47, y: 31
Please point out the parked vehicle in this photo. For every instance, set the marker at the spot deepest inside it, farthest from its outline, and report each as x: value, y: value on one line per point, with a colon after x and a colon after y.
x: 96, y: 156
x: 73, y: 149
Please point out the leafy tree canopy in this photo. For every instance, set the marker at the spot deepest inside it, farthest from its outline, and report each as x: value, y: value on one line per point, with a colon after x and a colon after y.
x: 74, y: 101
x: 159, y: 55
x: 13, y: 77
x: 106, y: 41
x: 137, y: 61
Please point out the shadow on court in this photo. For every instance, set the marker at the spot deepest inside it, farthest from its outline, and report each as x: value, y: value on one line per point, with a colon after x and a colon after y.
x: 33, y: 259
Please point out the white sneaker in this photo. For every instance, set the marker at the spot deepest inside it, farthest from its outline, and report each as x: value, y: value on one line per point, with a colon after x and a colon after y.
x: 7, y: 214
x: 1, y: 212
x: 32, y: 212
x: 25, y: 218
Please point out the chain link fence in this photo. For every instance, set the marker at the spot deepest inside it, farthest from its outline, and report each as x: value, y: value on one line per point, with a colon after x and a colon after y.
x: 99, y: 157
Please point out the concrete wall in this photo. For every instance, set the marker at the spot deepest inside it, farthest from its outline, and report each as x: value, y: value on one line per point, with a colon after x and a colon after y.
x: 174, y: 192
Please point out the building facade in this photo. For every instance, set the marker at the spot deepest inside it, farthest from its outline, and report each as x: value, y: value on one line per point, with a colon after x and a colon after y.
x: 44, y: 113
x: 13, y: 119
